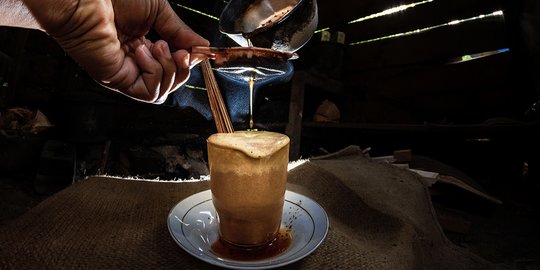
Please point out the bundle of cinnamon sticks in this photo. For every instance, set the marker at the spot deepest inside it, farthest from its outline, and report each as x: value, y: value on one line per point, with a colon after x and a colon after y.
x: 217, y: 105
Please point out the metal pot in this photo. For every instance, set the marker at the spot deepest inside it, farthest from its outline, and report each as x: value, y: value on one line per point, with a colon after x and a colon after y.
x: 282, y: 25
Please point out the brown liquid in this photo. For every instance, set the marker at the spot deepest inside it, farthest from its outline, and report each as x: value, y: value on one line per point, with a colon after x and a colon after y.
x: 248, y: 172
x: 278, y: 245
x: 251, y: 85
x: 248, y: 220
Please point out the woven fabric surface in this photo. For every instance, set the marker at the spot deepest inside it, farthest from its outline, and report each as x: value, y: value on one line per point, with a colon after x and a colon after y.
x: 381, y: 217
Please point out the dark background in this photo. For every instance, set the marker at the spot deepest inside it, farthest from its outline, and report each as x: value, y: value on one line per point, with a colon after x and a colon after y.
x: 409, y: 92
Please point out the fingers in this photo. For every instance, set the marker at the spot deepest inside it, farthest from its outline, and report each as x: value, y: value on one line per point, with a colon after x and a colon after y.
x: 139, y: 76
x: 147, y: 85
x: 174, y: 69
x: 161, y: 52
x: 182, y: 60
x: 160, y: 72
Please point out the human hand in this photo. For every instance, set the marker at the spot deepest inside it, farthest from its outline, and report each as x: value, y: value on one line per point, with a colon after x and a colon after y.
x: 107, y: 38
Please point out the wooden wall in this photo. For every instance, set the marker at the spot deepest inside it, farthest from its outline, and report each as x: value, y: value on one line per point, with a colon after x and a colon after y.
x: 410, y: 79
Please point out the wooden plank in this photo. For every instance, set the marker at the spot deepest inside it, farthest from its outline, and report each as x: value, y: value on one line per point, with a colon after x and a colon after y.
x: 210, y: 7
x: 426, y: 15
x: 204, y: 25
x: 300, y: 81
x: 436, y: 45
x: 336, y: 13
x: 296, y: 109
x: 466, y: 92
x: 405, y: 82
x: 432, y: 74
x: 451, y: 180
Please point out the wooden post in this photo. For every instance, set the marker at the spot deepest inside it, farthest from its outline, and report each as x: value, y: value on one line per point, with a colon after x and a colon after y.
x: 296, y: 108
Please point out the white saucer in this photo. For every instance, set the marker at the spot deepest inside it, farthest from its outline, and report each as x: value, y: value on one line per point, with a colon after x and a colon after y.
x: 193, y: 225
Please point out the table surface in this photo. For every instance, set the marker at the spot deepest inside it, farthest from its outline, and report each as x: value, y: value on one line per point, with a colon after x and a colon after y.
x: 381, y: 217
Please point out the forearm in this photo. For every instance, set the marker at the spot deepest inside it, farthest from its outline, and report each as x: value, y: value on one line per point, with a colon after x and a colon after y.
x: 53, y: 15
x: 15, y: 13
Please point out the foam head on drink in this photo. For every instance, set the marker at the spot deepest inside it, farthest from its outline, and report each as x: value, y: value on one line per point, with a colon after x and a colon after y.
x: 248, y: 176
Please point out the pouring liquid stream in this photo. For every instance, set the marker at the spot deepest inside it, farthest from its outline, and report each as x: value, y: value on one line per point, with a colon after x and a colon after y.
x: 251, y: 87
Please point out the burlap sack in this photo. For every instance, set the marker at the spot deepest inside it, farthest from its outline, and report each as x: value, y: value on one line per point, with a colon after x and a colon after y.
x: 381, y: 217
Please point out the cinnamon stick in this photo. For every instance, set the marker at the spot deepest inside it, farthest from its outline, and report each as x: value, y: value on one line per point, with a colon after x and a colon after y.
x: 217, y: 105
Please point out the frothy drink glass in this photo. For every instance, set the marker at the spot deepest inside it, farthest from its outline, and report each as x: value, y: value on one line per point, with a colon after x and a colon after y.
x: 248, y: 176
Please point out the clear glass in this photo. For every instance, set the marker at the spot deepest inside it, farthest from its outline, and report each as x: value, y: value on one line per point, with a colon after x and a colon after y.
x: 248, y: 177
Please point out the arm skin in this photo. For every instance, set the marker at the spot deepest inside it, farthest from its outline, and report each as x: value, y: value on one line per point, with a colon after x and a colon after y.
x: 107, y: 38
x: 15, y: 13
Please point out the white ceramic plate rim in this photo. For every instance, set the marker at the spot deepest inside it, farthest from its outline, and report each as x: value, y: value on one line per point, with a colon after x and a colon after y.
x: 315, y: 215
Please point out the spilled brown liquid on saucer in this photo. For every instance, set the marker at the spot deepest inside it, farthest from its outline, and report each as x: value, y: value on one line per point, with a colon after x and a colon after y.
x: 276, y: 246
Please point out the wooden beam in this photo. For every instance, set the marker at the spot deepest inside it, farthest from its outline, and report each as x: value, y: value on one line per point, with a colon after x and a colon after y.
x: 436, y: 45
x: 336, y: 14
x: 469, y: 91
